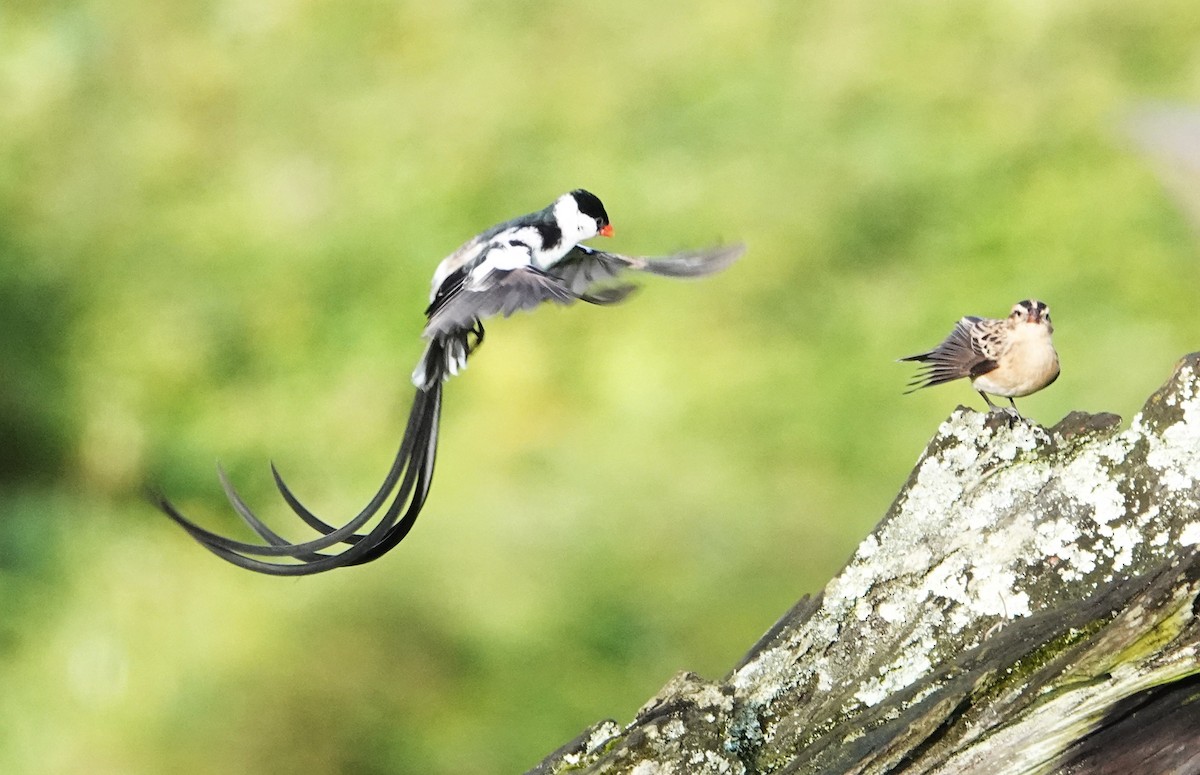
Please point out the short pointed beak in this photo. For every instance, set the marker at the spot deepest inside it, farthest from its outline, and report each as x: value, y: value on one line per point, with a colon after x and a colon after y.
x: 607, y: 231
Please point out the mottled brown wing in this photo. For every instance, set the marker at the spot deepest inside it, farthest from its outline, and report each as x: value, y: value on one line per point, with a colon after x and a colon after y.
x: 972, y: 348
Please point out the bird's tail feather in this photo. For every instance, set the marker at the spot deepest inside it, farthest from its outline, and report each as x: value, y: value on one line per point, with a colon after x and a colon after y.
x: 406, y: 485
x: 446, y: 355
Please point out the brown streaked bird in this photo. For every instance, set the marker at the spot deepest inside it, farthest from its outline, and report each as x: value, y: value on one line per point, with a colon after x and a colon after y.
x: 1010, y: 357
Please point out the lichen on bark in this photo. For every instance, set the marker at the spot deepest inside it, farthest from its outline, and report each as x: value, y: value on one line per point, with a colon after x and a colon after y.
x: 1024, y: 583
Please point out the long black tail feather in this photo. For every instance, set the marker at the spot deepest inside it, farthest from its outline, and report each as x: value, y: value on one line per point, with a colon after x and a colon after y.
x: 406, y: 485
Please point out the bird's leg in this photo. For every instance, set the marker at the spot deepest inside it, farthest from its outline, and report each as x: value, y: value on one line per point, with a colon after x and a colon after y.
x: 991, y: 407
x: 477, y: 331
x: 1013, y: 413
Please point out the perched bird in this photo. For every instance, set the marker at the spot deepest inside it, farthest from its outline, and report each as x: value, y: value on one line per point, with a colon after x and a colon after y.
x: 1012, y: 357
x: 515, y: 265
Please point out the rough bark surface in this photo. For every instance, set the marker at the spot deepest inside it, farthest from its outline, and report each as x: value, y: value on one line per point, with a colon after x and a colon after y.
x: 1027, y: 605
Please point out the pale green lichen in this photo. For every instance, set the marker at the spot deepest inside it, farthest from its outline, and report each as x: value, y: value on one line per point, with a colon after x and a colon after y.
x: 896, y: 675
x: 1151, y: 640
x: 999, y: 520
x: 708, y: 762
x: 991, y: 509
x: 1071, y: 707
x: 947, y: 490
x: 1176, y: 454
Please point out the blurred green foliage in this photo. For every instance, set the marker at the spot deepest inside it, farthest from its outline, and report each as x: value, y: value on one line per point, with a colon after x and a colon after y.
x: 217, y: 224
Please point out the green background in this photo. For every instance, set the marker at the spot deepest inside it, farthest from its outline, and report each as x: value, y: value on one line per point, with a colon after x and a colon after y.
x: 217, y: 224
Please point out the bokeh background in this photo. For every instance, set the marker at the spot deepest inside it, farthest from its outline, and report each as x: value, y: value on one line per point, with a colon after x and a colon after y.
x: 217, y: 224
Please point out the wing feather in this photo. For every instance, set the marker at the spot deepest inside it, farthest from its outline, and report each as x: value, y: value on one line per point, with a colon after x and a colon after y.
x: 584, y: 267
x: 501, y: 292
x: 971, y: 349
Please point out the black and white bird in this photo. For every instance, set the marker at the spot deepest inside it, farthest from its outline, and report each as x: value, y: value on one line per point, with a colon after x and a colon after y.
x: 1009, y: 357
x: 513, y: 266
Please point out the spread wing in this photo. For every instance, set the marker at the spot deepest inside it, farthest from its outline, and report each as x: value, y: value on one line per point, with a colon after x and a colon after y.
x: 973, y: 348
x: 462, y: 298
x: 583, y: 268
x: 461, y: 302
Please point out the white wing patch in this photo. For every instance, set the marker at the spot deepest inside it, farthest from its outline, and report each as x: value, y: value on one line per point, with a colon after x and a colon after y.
x: 499, y: 258
x: 452, y: 263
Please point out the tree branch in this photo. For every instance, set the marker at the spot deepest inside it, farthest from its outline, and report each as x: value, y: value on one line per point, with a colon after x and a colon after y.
x: 1028, y: 604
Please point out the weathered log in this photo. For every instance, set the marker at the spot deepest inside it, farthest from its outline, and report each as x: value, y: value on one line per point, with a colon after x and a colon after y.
x: 1027, y: 605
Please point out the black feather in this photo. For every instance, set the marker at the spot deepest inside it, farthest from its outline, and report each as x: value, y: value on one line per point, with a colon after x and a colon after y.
x: 589, y: 204
x: 454, y: 330
x: 550, y: 232
x: 406, y: 485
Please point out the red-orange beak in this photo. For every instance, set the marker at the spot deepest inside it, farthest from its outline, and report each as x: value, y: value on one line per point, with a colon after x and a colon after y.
x: 607, y: 231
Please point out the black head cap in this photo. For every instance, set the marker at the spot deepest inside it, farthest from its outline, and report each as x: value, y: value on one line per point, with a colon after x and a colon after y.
x: 591, y: 206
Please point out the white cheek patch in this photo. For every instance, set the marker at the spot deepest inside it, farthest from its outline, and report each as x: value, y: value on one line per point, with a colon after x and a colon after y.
x: 575, y: 225
x: 566, y: 212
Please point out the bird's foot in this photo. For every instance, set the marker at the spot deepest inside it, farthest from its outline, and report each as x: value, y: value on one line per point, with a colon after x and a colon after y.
x: 1010, y: 412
